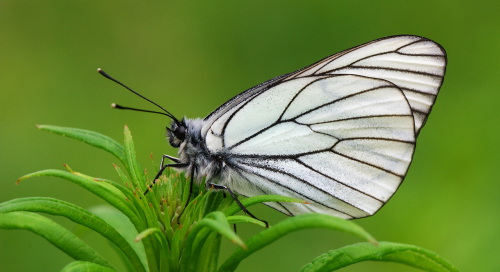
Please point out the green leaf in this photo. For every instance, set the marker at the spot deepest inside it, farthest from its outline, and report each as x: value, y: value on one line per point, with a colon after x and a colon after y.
x: 115, y: 188
x: 122, y: 224
x: 80, y: 266
x: 139, y: 181
x: 175, y: 250
x: 117, y: 201
x: 77, y: 215
x: 247, y: 202
x: 134, y: 198
x: 304, y: 221
x: 385, y: 252
x: 164, y: 250
x: 206, y: 260
x: 54, y: 233
x: 109, y: 197
x: 126, y: 262
x: 244, y: 219
x: 213, y: 254
x: 217, y: 221
x: 213, y: 201
x: 213, y: 222
x: 135, y: 169
x: 92, y: 138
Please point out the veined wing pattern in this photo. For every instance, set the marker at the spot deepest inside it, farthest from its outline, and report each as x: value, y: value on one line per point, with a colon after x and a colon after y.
x: 340, y: 133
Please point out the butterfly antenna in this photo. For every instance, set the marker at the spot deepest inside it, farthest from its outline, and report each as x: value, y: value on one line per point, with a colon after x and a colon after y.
x: 123, y: 85
x: 116, y: 106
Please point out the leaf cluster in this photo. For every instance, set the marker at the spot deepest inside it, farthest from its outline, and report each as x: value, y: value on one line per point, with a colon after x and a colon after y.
x: 144, y: 231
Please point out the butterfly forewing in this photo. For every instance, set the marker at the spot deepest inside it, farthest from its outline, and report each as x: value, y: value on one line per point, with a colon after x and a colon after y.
x: 415, y: 64
x: 339, y: 133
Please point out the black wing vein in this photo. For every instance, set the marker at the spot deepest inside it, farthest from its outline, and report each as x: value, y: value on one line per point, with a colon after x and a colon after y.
x: 292, y: 190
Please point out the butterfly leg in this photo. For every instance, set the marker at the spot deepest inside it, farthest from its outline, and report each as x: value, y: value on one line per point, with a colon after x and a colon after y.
x: 221, y: 187
x: 174, y: 159
x: 163, y: 167
x: 189, y: 196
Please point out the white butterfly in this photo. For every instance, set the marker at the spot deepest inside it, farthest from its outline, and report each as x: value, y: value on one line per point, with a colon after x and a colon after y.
x: 339, y: 133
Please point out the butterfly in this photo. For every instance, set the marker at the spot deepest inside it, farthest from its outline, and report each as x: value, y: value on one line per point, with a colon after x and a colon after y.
x: 339, y: 133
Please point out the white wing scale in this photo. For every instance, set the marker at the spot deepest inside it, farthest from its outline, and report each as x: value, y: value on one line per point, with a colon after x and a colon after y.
x: 339, y: 133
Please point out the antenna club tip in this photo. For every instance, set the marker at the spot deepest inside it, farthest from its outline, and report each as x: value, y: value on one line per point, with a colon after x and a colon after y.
x: 100, y: 71
x: 113, y: 105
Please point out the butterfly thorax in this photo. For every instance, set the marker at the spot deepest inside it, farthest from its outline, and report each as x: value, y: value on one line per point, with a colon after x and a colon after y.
x: 193, y: 150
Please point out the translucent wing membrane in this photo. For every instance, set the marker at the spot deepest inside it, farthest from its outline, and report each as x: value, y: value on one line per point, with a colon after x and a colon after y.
x: 339, y: 133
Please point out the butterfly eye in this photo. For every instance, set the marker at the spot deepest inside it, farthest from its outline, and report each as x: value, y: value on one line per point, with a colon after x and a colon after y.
x: 176, y: 134
x: 180, y: 133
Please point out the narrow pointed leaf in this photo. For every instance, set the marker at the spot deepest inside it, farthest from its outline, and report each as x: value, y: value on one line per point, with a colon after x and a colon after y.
x: 214, y: 199
x: 165, y: 251
x: 129, y: 196
x: 54, y: 233
x: 244, y: 219
x: 116, y: 201
x: 247, y: 202
x: 213, y: 254
x: 223, y: 228
x: 108, y: 197
x: 126, y: 262
x: 80, y: 266
x: 135, y: 169
x: 122, y: 224
x: 139, y: 181
x: 205, y: 261
x: 305, y: 221
x: 92, y: 138
x: 136, y: 201
x: 385, y: 252
x: 175, y: 251
x: 213, y: 222
x: 77, y: 215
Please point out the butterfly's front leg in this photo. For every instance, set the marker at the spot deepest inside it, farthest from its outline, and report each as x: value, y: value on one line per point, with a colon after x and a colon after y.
x: 174, y: 159
x: 221, y: 187
x: 163, y: 167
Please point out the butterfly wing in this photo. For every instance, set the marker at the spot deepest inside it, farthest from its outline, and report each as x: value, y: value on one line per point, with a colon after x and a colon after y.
x: 339, y: 133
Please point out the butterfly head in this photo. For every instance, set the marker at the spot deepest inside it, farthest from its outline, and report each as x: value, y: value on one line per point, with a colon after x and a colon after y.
x: 176, y: 134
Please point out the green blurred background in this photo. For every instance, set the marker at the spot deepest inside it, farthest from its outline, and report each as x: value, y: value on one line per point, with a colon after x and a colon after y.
x: 192, y: 57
